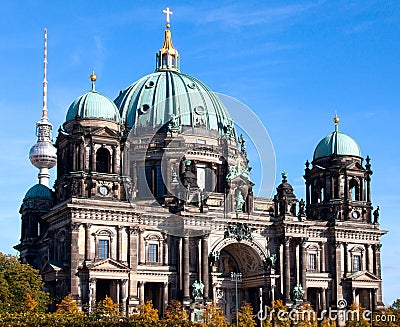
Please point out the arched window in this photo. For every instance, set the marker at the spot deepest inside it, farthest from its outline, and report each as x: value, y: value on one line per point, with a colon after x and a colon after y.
x: 103, y: 238
x: 354, y: 190
x: 103, y: 161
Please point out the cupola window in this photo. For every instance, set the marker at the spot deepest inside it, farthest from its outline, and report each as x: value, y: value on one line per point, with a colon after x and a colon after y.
x: 103, y: 161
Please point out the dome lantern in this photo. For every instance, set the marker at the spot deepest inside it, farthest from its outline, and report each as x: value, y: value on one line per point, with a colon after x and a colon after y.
x: 168, y: 57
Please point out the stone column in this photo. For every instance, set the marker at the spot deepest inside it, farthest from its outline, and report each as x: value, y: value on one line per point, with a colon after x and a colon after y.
x: 74, y: 156
x: 93, y: 159
x: 132, y: 262
x: 92, y: 293
x: 204, y: 265
x: 165, y: 296
x: 119, y: 243
x: 142, y: 258
x: 322, y: 256
x: 286, y: 258
x: 368, y: 188
x: 298, y: 262
x: 165, y: 250
x: 141, y: 292
x: 82, y: 157
x: 323, y: 298
x: 337, y: 292
x: 114, y: 160
x: 87, y: 241
x: 74, y: 241
x: 122, y: 292
x: 377, y: 261
x: 373, y: 303
x: 347, y: 266
x: 354, y: 295
x: 185, y: 270
x: 369, y: 258
x: 304, y: 267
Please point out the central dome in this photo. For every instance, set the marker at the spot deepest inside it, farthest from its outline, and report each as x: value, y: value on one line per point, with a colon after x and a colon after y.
x: 154, y: 99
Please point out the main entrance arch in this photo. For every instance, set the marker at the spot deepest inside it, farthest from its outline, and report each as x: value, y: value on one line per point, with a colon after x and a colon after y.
x: 243, y: 257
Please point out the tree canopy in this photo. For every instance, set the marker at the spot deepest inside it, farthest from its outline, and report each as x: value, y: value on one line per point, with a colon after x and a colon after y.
x: 21, y: 287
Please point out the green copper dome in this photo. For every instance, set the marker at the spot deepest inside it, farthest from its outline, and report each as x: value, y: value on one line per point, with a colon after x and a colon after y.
x: 93, y: 105
x: 38, y: 191
x: 154, y: 99
x: 337, y: 143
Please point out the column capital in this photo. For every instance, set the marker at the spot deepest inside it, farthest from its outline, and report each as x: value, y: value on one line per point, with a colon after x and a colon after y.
x: 75, y: 226
x: 287, y: 240
x: 303, y: 241
x: 205, y: 236
x: 123, y: 281
x: 338, y: 244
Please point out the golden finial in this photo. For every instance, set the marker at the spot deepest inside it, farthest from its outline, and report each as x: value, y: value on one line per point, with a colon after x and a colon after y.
x: 336, y: 120
x: 93, y: 78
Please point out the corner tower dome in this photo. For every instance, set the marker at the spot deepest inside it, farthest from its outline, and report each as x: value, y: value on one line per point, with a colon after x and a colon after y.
x: 153, y: 100
x: 337, y: 143
x: 93, y: 105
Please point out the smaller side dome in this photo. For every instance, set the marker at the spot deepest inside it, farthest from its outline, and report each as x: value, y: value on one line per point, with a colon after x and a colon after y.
x: 39, y: 191
x: 337, y: 143
x: 93, y: 105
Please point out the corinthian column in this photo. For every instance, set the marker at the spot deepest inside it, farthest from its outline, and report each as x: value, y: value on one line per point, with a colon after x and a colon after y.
x: 286, y: 272
x: 204, y: 265
x: 185, y: 263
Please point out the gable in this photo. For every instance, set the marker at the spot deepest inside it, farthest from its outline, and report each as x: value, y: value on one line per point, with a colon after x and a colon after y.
x: 105, y: 132
x: 107, y: 265
x: 362, y: 276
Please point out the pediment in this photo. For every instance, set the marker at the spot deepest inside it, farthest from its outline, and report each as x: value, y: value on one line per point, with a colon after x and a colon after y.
x: 51, y: 267
x: 108, y: 264
x: 355, y: 165
x: 363, y: 276
x: 105, y: 132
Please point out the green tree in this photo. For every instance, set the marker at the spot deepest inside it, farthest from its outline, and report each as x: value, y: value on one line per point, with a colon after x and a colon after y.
x: 396, y: 304
x: 175, y: 315
x: 213, y: 316
x: 106, y: 309
x: 68, y: 306
x: 272, y: 317
x: 245, y: 316
x: 326, y: 322
x: 21, y: 287
x: 146, y: 315
x: 356, y: 319
x: 306, y: 316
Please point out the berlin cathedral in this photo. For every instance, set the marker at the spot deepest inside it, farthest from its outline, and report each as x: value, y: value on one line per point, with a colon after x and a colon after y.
x: 153, y: 200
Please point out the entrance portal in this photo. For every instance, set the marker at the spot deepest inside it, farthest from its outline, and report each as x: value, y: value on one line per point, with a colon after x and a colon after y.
x: 229, y: 293
x: 152, y: 291
x: 106, y: 287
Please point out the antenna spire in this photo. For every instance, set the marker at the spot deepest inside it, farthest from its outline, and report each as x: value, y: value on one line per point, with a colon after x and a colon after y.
x: 44, y: 110
x: 43, y: 154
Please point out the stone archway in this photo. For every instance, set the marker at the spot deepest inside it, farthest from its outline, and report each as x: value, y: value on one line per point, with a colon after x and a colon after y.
x: 243, y: 257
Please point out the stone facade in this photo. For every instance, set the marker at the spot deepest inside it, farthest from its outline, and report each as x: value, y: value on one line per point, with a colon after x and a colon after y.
x: 143, y: 215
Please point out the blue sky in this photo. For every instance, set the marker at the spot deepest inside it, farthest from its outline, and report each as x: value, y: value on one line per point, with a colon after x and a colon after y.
x: 294, y: 63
